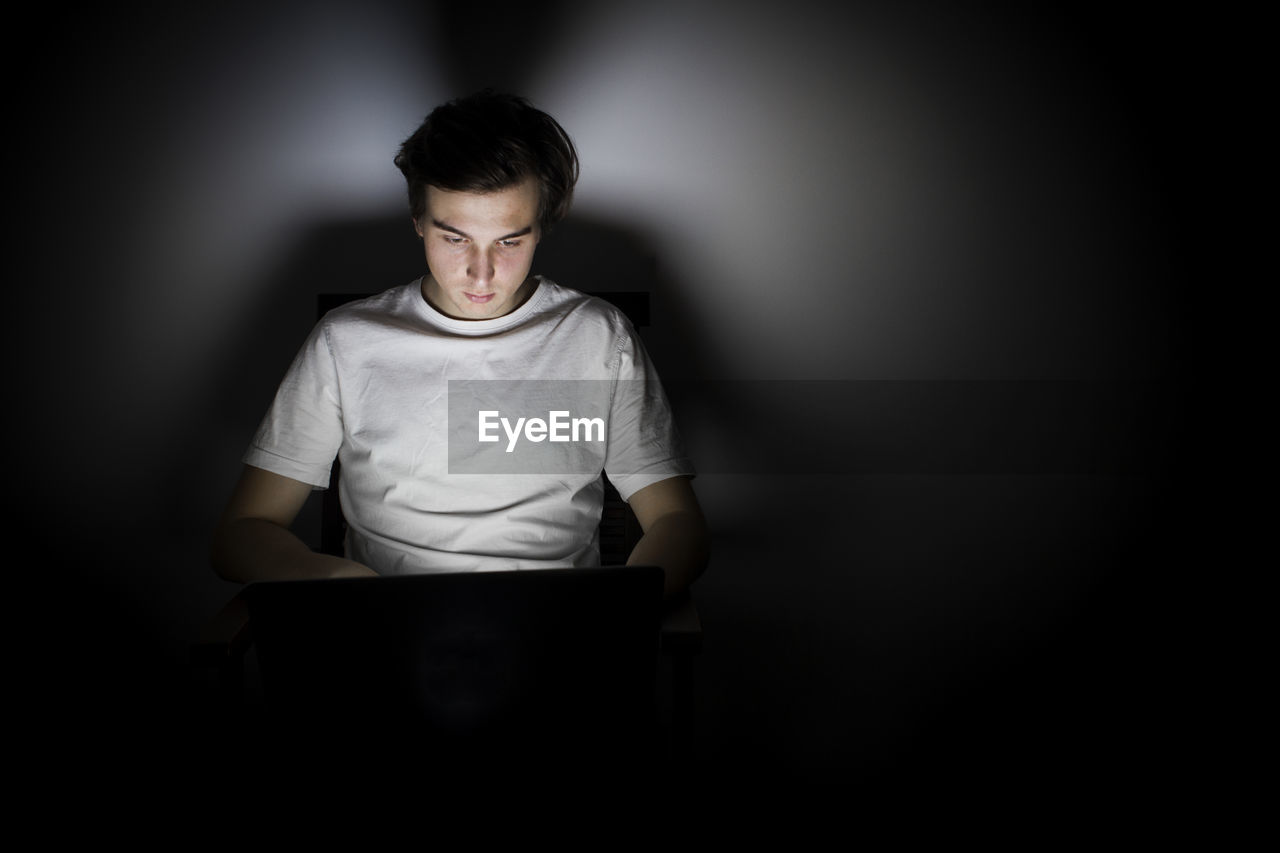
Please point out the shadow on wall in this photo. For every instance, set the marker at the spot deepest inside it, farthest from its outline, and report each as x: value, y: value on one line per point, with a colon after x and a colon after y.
x: 496, y: 44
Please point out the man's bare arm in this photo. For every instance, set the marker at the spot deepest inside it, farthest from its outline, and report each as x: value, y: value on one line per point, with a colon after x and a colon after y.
x: 253, y: 541
x: 675, y: 532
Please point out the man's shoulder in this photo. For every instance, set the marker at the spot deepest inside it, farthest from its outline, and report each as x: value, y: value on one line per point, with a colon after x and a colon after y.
x: 582, y: 308
x: 348, y: 308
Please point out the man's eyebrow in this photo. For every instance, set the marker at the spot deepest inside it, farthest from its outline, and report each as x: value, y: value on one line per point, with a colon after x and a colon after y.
x: 528, y: 229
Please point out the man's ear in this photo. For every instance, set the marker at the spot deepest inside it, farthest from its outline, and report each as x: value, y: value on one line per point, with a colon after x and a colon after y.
x: 417, y: 228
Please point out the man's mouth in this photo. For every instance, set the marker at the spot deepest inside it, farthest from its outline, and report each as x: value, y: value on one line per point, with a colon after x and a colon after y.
x: 480, y: 299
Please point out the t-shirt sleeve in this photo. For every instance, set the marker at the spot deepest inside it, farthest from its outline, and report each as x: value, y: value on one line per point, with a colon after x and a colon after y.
x: 644, y: 444
x: 302, y: 431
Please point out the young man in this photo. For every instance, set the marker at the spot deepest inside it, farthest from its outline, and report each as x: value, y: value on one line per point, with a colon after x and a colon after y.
x: 487, y: 176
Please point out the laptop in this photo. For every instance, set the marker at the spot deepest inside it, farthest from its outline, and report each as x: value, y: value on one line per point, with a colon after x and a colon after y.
x: 549, y: 663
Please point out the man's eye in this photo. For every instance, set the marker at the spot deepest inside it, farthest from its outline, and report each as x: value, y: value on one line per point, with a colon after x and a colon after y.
x: 508, y: 244
x: 456, y: 241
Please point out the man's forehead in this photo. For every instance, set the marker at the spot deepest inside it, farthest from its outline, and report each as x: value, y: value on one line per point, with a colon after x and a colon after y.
x: 511, y: 207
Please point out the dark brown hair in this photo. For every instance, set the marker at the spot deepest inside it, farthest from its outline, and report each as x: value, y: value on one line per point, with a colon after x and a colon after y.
x: 487, y: 142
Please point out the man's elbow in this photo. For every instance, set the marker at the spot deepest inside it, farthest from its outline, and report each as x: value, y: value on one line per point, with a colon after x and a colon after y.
x: 682, y: 537
x: 240, y: 545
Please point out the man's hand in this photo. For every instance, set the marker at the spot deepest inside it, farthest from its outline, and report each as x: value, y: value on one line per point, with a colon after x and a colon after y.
x: 675, y: 533
x: 253, y: 541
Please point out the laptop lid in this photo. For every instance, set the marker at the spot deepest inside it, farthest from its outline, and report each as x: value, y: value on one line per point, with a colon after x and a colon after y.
x: 452, y: 661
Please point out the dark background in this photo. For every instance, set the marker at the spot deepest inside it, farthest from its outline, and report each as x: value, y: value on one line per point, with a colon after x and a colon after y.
x: 917, y: 281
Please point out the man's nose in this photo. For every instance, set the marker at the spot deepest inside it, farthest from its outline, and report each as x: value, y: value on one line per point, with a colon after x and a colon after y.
x: 480, y: 266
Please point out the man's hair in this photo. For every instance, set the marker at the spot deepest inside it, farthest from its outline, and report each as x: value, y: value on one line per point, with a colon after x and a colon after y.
x: 487, y: 142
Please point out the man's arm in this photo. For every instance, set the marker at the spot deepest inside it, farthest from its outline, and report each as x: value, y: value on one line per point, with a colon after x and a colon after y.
x: 675, y: 532
x: 253, y: 541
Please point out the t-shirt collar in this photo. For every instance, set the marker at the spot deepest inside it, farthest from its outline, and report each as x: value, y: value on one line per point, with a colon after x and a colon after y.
x: 480, y: 327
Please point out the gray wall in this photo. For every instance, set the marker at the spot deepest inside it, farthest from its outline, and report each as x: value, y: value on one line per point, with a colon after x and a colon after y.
x: 915, y: 274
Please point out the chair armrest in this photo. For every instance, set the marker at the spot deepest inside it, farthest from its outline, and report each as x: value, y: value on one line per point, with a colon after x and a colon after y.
x: 681, y: 627
x: 226, y: 637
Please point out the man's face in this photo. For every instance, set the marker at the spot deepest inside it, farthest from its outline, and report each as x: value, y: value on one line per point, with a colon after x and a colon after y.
x: 479, y: 249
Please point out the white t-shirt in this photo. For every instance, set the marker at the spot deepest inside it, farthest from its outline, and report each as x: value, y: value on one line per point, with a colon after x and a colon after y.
x: 371, y: 386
